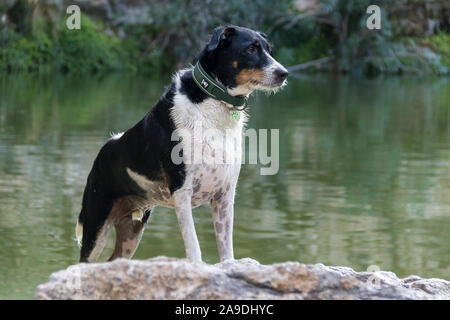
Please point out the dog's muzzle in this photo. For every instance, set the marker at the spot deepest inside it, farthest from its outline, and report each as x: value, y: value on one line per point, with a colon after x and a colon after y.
x: 280, y: 74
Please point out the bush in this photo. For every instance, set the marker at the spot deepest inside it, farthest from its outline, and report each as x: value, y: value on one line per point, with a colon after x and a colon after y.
x: 440, y: 43
x: 20, y: 53
x: 88, y: 50
x: 72, y: 51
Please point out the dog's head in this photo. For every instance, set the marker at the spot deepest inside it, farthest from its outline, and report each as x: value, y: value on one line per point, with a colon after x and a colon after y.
x: 242, y: 60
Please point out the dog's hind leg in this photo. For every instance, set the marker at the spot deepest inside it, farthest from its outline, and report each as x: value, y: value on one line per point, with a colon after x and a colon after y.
x: 99, y: 242
x: 96, y: 229
x: 129, y: 230
x: 93, y: 225
x: 129, y: 216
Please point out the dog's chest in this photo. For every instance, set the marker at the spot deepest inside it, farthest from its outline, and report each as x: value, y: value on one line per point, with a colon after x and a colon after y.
x: 213, y: 163
x: 211, y: 142
x: 208, y: 179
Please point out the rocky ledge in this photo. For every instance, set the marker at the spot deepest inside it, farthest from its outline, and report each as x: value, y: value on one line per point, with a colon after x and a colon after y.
x: 170, y: 278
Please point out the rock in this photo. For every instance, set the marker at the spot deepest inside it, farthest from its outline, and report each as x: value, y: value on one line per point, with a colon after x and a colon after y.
x: 170, y: 278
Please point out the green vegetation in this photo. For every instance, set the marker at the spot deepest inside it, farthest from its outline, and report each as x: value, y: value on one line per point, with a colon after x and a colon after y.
x: 89, y: 51
x: 170, y: 34
x: 440, y: 43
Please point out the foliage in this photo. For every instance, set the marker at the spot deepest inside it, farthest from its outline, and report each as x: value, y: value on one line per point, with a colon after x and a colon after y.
x: 342, y: 26
x: 339, y: 30
x: 20, y: 53
x: 311, y: 49
x: 170, y: 33
x: 88, y: 51
x: 440, y: 43
x: 178, y: 29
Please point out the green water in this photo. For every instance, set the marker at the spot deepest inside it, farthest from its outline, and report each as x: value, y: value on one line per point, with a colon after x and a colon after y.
x: 364, y: 175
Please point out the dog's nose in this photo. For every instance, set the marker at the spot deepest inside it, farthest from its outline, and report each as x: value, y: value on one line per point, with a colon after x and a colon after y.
x: 281, y: 73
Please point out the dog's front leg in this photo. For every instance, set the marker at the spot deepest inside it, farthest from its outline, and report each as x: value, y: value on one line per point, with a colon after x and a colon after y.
x: 183, y: 208
x: 223, y: 215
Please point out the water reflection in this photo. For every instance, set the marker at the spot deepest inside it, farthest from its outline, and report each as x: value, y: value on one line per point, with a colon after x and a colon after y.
x: 364, y: 174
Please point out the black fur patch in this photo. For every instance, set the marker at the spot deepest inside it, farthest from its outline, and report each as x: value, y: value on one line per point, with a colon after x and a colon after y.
x: 190, y: 88
x: 145, y: 149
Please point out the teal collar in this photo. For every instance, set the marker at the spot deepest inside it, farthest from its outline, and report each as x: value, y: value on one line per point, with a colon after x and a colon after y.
x: 215, y: 89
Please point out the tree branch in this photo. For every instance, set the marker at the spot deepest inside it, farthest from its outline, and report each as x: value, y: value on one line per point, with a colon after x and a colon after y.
x: 308, y: 64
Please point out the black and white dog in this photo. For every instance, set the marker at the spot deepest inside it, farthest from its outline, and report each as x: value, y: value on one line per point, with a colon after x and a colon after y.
x: 135, y: 171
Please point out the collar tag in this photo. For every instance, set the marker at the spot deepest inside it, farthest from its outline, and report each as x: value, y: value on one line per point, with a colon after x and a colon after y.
x: 234, y: 115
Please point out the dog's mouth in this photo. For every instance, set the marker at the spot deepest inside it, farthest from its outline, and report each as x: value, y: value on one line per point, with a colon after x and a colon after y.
x: 269, y: 79
x: 273, y: 78
x: 271, y: 82
x: 269, y: 85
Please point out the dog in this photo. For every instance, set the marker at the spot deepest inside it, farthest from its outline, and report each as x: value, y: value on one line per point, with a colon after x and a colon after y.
x: 135, y: 171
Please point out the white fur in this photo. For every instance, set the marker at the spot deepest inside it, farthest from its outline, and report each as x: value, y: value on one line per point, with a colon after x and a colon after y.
x: 211, y: 115
x: 214, y: 114
x: 116, y: 136
x: 79, y: 233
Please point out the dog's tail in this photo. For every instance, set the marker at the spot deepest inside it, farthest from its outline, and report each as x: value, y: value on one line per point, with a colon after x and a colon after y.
x: 79, y: 228
x: 83, y: 213
x: 81, y: 218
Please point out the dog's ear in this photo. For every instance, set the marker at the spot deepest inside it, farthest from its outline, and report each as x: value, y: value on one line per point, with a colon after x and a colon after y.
x: 262, y: 34
x: 269, y: 44
x: 220, y: 35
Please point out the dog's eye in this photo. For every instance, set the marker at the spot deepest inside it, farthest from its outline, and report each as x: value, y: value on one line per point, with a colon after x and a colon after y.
x: 252, y: 49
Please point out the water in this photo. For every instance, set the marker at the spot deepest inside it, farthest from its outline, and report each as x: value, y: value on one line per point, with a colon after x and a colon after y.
x: 364, y: 175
